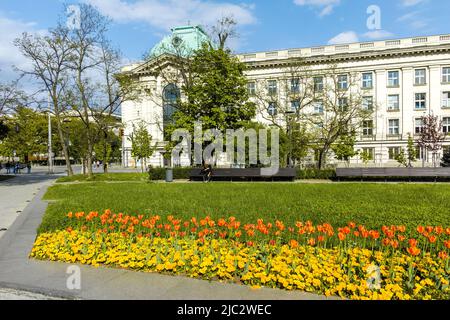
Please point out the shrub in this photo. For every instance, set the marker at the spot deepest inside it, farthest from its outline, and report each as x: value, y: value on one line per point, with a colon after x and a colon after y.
x: 160, y: 173
x: 305, y: 174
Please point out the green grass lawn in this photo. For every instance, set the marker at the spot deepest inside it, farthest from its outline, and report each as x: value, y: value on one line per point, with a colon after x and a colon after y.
x: 369, y: 204
x: 106, y: 177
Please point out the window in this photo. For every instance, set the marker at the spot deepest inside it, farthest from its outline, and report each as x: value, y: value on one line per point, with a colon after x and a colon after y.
x: 446, y: 100
x: 171, y: 94
x: 393, y: 79
x: 394, y: 152
x: 318, y: 84
x: 272, y: 87
x: 367, y: 128
x: 251, y: 87
x: 367, y: 80
x: 295, y: 106
x: 420, y: 77
x: 272, y: 109
x: 368, y: 103
x: 418, y: 126
x: 343, y: 82
x: 446, y: 125
x: 318, y: 107
x: 420, y: 101
x: 421, y: 153
x: 370, y: 152
x: 394, y: 102
x: 394, y: 127
x: 446, y: 75
x: 343, y: 104
x: 295, y: 85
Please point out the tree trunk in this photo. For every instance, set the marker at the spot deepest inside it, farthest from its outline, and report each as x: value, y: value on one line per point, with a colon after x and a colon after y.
x: 89, y: 158
x: 142, y: 165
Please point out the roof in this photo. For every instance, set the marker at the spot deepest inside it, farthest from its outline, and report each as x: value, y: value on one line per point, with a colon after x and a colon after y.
x: 183, y: 41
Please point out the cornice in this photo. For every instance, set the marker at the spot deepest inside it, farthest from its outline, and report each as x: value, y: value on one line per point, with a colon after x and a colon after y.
x: 349, y: 57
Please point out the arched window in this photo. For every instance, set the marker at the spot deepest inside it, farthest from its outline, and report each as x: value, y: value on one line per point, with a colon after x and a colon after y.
x: 171, y: 94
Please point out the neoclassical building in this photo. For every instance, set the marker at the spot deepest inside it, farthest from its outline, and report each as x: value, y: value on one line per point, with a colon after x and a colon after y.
x: 402, y: 80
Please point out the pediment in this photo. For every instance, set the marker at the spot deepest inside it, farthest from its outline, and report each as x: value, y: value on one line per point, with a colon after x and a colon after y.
x: 154, y: 66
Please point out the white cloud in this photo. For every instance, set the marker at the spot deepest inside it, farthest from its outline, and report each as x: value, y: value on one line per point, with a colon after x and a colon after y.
x: 9, y: 54
x: 345, y: 37
x: 326, y: 6
x: 170, y: 13
x: 378, y: 34
x: 411, y: 3
x: 352, y: 36
x: 415, y: 20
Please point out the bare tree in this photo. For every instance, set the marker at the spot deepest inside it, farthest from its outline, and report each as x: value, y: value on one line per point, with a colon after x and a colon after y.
x: 431, y: 136
x: 10, y: 97
x: 223, y: 30
x: 49, y: 56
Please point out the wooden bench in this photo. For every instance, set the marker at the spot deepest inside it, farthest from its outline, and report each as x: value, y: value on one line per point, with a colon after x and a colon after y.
x: 249, y: 174
x: 411, y: 173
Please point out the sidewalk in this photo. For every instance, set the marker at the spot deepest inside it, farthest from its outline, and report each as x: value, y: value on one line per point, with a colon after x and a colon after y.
x: 17, y: 272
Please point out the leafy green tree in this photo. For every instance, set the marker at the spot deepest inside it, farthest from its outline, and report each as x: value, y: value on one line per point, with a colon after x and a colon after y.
x: 300, y: 140
x: 141, y: 144
x: 401, y: 158
x: 27, y: 134
x: 366, y: 157
x: 344, y: 148
x: 217, y: 94
x: 410, y: 151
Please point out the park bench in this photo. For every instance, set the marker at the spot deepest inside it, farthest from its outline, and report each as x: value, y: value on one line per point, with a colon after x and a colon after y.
x: 249, y: 174
x: 394, y: 173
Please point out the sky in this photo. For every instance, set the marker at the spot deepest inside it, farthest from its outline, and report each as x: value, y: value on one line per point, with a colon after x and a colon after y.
x: 264, y: 25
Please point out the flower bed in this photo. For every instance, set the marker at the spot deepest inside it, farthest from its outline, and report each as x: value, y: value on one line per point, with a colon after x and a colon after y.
x: 350, y: 261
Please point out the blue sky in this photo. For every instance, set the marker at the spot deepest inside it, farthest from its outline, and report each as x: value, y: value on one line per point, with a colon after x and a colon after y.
x: 264, y: 25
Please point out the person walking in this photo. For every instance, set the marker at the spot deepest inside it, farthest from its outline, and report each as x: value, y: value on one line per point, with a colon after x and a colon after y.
x: 8, y: 167
x: 29, y: 167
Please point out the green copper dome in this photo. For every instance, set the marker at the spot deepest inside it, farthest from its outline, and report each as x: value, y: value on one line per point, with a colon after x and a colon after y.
x: 183, y: 41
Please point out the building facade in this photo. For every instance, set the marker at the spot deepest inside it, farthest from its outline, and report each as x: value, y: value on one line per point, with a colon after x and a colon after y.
x: 402, y: 80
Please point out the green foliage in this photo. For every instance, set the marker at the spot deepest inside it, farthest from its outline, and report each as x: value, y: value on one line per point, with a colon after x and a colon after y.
x: 316, y: 174
x: 160, y: 173
x: 366, y: 157
x: 401, y: 158
x: 410, y: 151
x: 26, y: 134
x: 344, y: 148
x: 373, y: 205
x: 141, y: 146
x: 217, y: 95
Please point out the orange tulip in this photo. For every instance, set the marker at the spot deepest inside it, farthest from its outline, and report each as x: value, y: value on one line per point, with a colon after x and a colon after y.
x: 447, y: 244
x: 414, y: 251
x: 70, y: 215
x: 386, y: 241
x: 420, y: 229
x: 412, y: 243
x: 293, y: 243
x: 238, y: 234
x: 432, y: 239
x: 443, y: 255
x: 312, y: 241
x: 341, y: 236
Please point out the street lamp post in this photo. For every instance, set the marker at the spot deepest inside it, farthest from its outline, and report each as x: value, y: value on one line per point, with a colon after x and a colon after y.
x: 50, y: 152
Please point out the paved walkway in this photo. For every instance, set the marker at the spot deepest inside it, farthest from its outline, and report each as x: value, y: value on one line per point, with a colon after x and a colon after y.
x: 50, y: 279
x: 17, y: 193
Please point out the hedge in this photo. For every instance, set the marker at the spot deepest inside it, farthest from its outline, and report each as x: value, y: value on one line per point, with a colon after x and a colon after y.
x: 302, y: 174
x: 316, y: 174
x: 160, y: 173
